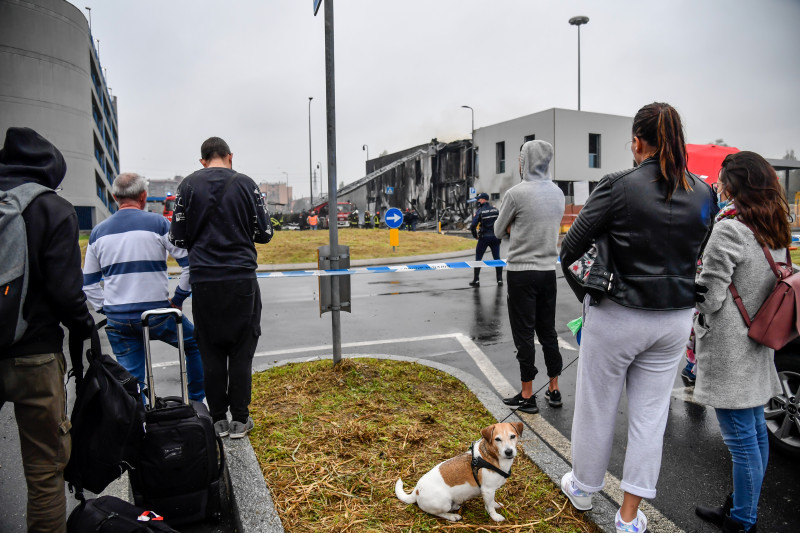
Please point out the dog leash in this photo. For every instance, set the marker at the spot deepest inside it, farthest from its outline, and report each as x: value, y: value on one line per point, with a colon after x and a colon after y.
x: 513, y: 411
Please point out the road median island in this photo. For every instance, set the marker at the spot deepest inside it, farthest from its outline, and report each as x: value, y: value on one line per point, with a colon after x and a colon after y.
x: 332, y: 441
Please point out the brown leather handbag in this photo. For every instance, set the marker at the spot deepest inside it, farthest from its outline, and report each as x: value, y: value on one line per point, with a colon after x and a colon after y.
x: 775, y: 323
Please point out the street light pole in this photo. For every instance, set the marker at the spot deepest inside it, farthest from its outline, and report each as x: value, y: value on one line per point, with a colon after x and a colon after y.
x: 89, y: 9
x: 287, y: 188
x: 365, y: 147
x: 310, y: 177
x: 472, y: 113
x: 578, y: 21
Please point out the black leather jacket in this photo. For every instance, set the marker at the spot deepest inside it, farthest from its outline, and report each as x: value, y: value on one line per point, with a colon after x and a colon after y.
x: 653, y: 245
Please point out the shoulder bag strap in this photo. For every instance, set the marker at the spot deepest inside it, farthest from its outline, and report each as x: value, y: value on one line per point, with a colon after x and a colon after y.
x: 738, y: 299
x: 212, y: 211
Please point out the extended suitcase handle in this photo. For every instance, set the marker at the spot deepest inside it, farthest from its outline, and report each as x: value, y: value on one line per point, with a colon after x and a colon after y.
x: 158, y: 312
x: 151, y: 390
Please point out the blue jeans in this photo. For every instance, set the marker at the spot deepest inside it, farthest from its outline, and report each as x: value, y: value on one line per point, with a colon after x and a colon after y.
x: 745, y: 433
x: 127, y: 343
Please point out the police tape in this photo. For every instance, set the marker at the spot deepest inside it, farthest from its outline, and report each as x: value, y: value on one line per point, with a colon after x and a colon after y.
x: 419, y: 267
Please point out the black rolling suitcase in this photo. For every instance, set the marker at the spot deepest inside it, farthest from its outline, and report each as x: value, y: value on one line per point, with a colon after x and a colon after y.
x: 179, y: 472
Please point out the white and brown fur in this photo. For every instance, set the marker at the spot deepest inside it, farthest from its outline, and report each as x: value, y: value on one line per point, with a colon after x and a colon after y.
x: 443, y: 489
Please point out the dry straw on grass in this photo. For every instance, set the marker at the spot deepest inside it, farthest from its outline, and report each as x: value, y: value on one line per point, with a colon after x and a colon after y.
x: 333, y: 441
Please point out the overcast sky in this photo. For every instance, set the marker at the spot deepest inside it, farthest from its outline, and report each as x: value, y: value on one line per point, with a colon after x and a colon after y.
x: 243, y: 70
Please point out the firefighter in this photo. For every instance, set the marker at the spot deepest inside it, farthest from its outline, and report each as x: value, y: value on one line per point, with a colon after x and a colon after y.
x: 376, y: 220
x: 353, y: 218
x: 367, y: 219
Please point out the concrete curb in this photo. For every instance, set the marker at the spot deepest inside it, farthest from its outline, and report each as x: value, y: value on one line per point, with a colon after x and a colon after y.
x: 251, y: 502
x: 255, y: 512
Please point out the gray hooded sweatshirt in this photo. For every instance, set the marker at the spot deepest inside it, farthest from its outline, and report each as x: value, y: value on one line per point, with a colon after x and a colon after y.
x: 531, y: 213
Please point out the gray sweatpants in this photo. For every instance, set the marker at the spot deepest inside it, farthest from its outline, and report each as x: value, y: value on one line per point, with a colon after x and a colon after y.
x: 640, y: 350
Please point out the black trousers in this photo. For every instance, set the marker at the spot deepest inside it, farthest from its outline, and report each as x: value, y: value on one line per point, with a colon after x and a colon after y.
x: 227, y: 318
x: 532, y: 309
x: 494, y: 244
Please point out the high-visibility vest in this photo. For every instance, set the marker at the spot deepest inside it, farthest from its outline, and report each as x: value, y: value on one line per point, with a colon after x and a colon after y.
x: 312, y: 220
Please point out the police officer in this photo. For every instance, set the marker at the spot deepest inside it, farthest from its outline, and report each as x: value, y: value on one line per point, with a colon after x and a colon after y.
x: 482, y: 228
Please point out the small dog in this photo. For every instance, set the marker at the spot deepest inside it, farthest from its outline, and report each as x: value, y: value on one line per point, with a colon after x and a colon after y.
x: 443, y: 489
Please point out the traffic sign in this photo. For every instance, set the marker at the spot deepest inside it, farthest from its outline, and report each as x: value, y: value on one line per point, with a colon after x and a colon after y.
x: 393, y: 217
x: 389, y: 190
x: 472, y: 191
x: 317, y: 3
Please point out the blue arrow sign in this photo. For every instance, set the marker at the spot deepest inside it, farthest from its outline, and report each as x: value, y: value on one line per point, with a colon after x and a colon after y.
x: 393, y: 218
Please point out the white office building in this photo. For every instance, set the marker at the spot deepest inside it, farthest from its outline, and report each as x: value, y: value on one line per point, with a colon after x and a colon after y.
x: 586, y: 145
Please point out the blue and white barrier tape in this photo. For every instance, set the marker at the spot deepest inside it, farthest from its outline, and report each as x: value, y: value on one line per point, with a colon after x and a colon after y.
x: 383, y: 269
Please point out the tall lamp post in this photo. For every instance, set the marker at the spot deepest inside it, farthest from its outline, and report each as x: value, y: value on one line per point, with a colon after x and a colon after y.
x: 89, y: 9
x: 310, y: 176
x: 472, y: 113
x: 365, y: 147
x: 578, y: 21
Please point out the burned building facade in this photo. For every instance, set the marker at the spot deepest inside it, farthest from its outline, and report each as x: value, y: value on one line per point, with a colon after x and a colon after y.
x: 434, y: 178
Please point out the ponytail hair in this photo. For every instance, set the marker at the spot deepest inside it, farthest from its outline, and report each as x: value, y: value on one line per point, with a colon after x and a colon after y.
x: 660, y: 125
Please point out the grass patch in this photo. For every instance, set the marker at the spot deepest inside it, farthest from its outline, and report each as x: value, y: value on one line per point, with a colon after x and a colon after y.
x: 301, y: 246
x: 332, y: 442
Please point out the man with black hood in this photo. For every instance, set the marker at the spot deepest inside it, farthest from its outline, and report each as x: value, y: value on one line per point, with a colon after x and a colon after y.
x: 32, y: 368
x: 530, y: 219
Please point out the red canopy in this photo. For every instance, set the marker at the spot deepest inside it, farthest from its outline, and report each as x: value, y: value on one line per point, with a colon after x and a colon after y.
x: 705, y: 160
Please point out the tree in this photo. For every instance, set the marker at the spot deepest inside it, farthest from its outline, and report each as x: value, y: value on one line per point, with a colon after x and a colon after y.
x: 719, y: 142
x: 790, y: 155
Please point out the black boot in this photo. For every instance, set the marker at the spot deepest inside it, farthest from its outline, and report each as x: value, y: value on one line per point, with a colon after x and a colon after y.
x: 499, y: 275
x: 729, y: 525
x: 715, y: 515
x: 476, y: 278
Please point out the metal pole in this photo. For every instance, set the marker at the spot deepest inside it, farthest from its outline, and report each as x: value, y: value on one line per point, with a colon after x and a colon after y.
x: 579, y: 68
x: 330, y: 101
x: 89, y: 9
x: 310, y: 180
x: 578, y: 21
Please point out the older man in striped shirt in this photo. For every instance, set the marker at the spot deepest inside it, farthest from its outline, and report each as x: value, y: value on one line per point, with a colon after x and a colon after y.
x: 128, y: 252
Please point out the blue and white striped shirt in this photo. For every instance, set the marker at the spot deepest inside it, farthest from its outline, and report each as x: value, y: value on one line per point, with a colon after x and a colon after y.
x: 128, y: 252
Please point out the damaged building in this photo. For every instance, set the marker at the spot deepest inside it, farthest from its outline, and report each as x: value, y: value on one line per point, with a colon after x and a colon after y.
x: 433, y: 178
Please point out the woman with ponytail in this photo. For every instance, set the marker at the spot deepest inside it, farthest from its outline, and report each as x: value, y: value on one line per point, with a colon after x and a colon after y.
x: 735, y: 374
x: 649, y: 224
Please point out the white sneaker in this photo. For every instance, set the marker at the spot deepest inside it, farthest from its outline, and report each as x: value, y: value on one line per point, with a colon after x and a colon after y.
x: 580, y: 499
x: 638, y: 525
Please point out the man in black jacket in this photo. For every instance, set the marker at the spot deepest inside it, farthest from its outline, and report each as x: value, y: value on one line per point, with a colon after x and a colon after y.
x: 482, y: 228
x: 219, y: 215
x: 32, y: 368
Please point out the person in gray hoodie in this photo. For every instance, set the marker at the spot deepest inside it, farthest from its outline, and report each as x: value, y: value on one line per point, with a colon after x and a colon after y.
x: 530, y: 217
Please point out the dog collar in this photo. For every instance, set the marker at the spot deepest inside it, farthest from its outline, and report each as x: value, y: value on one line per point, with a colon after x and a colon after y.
x: 479, y: 462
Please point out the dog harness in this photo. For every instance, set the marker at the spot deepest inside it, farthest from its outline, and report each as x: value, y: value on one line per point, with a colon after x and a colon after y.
x: 479, y: 462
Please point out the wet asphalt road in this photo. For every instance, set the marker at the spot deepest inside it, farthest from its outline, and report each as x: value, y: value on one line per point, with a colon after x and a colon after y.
x: 403, y: 311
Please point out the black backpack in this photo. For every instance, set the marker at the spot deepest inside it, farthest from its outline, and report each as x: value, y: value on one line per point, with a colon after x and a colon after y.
x: 112, y: 515
x: 107, y: 423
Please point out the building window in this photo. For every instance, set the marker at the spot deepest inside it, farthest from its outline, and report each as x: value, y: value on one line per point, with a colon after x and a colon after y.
x: 531, y: 137
x: 495, y: 196
x: 594, y: 150
x: 500, y: 152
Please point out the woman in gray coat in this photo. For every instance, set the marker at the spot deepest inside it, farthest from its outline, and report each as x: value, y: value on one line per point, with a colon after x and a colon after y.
x: 735, y: 374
